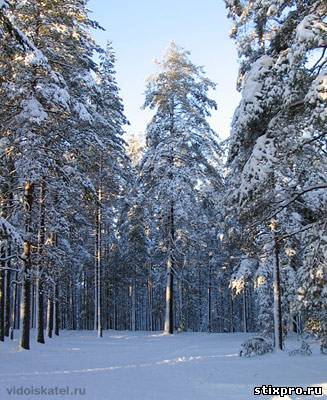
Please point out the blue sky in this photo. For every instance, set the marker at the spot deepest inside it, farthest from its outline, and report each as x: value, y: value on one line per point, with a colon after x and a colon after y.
x: 142, y: 29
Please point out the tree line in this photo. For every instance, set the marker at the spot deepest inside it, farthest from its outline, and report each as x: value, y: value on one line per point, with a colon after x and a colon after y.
x: 183, y: 232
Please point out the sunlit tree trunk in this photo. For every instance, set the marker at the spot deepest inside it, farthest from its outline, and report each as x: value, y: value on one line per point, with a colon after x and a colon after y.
x: 98, y: 264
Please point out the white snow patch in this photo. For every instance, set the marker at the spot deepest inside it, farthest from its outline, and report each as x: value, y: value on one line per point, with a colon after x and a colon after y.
x: 253, y: 81
x: 82, y: 112
x: 259, y: 166
x: 310, y: 29
x: 34, y: 58
x: 32, y: 110
x: 148, y: 366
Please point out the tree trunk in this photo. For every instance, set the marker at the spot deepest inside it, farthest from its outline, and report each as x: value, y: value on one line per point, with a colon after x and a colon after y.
x: 209, y: 300
x: 245, y: 321
x: 98, y: 261
x: 150, y: 325
x: 133, y: 319
x: 72, y: 311
x: 169, y: 318
x: 2, y: 303
x: 278, y: 328
x: 50, y: 317
x: 40, y: 311
x: 6, y: 291
x: 8, y: 301
x: 26, y: 298
x: 199, y: 322
x: 39, y: 286
x: 278, y: 335
x: 33, y: 305
x: 15, y: 309
x: 3, y: 265
x: 231, y: 323
x: 57, y: 311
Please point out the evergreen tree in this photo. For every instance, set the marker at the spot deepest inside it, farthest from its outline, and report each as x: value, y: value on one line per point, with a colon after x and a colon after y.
x: 180, y: 155
x: 278, y: 126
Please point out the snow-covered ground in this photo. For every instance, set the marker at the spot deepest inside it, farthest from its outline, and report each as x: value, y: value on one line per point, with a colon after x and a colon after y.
x: 151, y: 366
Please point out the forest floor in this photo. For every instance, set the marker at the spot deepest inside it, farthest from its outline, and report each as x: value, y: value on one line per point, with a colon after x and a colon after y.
x: 151, y: 366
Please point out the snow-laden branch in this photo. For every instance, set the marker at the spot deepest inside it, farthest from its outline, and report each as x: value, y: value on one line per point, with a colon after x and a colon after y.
x: 285, y: 203
x: 21, y: 38
x: 305, y: 228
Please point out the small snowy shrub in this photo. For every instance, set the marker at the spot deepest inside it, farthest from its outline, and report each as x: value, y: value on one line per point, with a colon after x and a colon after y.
x: 304, y: 350
x: 255, y: 347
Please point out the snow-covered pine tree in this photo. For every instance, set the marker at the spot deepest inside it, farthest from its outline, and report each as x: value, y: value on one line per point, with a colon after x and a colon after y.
x: 110, y: 162
x: 33, y: 92
x: 181, y: 154
x: 279, y: 122
x: 49, y: 94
